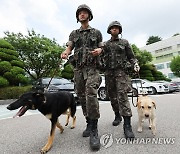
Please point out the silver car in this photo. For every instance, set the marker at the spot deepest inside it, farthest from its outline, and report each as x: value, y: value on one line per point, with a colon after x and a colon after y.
x: 136, y: 89
x: 172, y: 87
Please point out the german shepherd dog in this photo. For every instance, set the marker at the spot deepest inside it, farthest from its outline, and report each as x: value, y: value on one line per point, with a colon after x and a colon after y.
x: 51, y: 105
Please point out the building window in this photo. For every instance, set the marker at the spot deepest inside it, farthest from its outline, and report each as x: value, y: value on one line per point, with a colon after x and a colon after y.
x: 168, y: 65
x: 158, y: 51
x: 171, y: 76
x: 159, y: 57
x: 160, y: 66
x: 168, y: 55
x: 167, y: 48
x: 164, y: 49
x: 178, y: 45
x: 164, y: 56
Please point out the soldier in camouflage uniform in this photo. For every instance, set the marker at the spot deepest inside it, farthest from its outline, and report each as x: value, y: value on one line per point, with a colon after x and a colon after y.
x: 86, y: 42
x: 118, y: 59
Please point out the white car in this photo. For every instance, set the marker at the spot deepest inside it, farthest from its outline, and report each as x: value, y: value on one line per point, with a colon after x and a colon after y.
x: 156, y: 87
x: 136, y: 89
x: 172, y: 87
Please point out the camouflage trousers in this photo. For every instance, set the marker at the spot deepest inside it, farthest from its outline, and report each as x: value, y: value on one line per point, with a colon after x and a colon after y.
x: 87, y: 82
x: 118, y: 84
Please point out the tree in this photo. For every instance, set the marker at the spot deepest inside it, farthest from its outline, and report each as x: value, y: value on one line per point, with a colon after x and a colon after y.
x: 39, y: 54
x: 143, y: 57
x: 153, y: 39
x: 11, y: 67
x: 176, y: 34
x: 148, y: 71
x: 175, y: 66
x: 67, y: 72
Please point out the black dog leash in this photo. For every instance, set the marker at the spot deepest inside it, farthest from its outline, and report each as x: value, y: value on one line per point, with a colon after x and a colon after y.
x: 51, y: 79
x: 46, y: 89
x: 137, y: 90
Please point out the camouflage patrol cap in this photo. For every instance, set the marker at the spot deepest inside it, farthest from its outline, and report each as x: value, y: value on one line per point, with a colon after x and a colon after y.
x: 84, y: 7
x: 114, y: 23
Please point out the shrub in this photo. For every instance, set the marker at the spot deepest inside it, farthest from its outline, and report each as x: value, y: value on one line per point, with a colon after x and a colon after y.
x: 16, y: 79
x: 17, y: 63
x: 67, y: 75
x: 9, y: 52
x: 5, y: 66
x: 67, y: 72
x: 17, y: 70
x: 175, y: 66
x: 9, y: 76
x: 22, y: 79
x: 7, y: 57
x: 3, y: 82
x: 13, y: 92
x: 5, y: 44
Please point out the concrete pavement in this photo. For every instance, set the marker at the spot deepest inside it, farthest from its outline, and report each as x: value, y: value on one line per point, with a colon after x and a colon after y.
x: 27, y: 134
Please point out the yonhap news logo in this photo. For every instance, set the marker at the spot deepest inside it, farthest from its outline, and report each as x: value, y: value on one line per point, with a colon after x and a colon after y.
x: 107, y: 140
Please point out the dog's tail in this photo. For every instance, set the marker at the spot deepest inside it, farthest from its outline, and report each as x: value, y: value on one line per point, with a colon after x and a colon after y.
x: 73, y: 106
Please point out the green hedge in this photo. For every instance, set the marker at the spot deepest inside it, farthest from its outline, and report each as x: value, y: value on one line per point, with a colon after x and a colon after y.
x: 13, y: 92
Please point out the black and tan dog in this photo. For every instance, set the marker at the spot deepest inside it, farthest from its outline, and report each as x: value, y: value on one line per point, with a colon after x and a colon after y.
x: 51, y: 105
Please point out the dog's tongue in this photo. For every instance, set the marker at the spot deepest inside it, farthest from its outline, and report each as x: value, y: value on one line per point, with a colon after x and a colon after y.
x: 21, y: 111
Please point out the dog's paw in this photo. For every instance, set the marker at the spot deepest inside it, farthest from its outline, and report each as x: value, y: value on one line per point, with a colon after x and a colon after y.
x: 72, y: 127
x: 66, y: 124
x: 154, y: 130
x: 154, y: 133
x: 139, y: 130
x: 43, y: 151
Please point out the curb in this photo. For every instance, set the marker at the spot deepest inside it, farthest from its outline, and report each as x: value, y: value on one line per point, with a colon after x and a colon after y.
x: 7, y: 101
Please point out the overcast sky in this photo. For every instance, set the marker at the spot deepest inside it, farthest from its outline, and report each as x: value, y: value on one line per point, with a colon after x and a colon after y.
x: 56, y: 18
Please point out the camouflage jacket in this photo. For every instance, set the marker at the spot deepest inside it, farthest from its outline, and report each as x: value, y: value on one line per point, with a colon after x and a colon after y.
x: 117, y: 54
x: 83, y: 42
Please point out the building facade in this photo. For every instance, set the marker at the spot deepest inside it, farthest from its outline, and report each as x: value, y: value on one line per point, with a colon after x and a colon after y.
x: 163, y: 52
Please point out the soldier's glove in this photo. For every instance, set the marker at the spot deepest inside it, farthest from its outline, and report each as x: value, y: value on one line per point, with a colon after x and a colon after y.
x: 136, y: 67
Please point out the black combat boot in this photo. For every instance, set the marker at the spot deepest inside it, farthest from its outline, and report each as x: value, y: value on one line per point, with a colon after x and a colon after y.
x: 86, y: 132
x: 127, y: 128
x: 94, y: 139
x: 117, y: 119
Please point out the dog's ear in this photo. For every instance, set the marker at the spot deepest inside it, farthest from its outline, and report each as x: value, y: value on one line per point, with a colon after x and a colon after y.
x: 40, y: 96
x: 154, y: 104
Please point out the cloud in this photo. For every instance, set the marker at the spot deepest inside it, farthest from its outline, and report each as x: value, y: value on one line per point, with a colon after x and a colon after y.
x: 56, y: 18
x: 12, y: 17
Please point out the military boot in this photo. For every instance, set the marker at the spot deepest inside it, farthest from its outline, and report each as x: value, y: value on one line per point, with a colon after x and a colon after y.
x: 86, y: 132
x: 117, y: 119
x: 94, y: 139
x: 127, y: 128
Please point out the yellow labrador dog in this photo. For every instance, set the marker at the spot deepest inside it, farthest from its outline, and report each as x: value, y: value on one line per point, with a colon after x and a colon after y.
x: 146, y: 110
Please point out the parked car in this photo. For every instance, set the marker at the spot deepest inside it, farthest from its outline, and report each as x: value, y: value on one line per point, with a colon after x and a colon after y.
x: 56, y: 84
x: 141, y: 89
x: 136, y: 89
x: 156, y: 87
x: 178, y: 84
x: 172, y: 87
